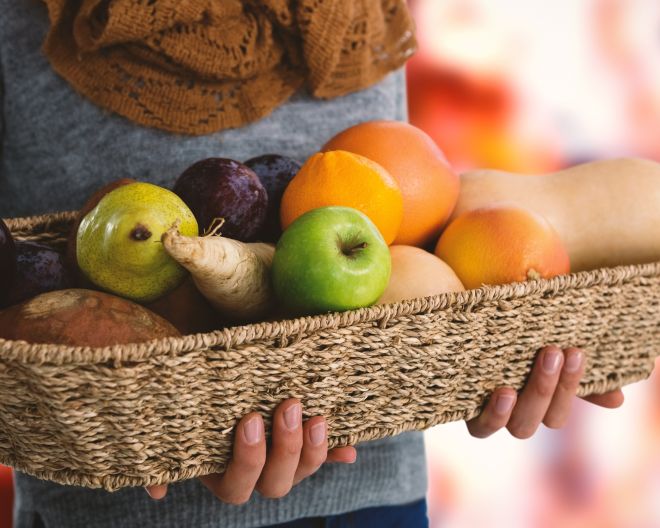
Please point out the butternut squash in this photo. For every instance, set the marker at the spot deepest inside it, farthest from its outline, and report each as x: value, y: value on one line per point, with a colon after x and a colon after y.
x: 607, y: 212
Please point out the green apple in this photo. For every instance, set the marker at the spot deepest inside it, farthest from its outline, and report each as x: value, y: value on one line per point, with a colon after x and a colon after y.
x: 330, y: 259
x: 118, y: 242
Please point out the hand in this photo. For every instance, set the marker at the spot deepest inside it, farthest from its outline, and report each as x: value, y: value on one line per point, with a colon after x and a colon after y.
x: 298, y: 450
x: 546, y: 397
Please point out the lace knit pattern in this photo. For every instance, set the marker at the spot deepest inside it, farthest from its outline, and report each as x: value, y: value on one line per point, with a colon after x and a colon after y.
x: 199, y: 66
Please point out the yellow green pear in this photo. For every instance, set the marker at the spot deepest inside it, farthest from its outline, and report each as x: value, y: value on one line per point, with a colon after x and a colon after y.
x: 118, y: 242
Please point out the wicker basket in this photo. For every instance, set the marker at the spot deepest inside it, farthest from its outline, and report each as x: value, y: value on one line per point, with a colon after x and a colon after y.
x: 164, y: 411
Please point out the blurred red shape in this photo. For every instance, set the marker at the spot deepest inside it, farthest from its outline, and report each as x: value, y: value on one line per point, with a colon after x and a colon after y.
x: 6, y: 496
x: 471, y: 118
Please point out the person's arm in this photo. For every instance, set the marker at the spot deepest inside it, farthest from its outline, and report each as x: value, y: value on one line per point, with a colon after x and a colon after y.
x: 2, y: 113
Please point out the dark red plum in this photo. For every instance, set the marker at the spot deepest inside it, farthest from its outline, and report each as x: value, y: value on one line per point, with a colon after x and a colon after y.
x: 275, y: 173
x: 217, y: 188
x: 39, y: 269
x: 7, y: 260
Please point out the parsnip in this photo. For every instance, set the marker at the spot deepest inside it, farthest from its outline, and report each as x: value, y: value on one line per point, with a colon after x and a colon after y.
x: 232, y: 275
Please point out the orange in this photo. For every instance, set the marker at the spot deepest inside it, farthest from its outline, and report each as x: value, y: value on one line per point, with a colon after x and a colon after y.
x: 349, y: 180
x: 428, y: 184
x: 502, y: 244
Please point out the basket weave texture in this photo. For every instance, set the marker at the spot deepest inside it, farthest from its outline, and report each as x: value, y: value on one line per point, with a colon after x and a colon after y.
x: 163, y: 411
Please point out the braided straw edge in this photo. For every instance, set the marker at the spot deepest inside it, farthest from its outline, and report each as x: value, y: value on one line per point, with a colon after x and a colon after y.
x: 281, y: 333
x: 112, y: 483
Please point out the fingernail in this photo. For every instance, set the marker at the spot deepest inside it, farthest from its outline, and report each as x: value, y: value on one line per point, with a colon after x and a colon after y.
x: 551, y: 361
x: 573, y: 362
x: 504, y: 403
x: 293, y: 417
x: 253, y: 430
x: 317, y: 434
x: 152, y: 496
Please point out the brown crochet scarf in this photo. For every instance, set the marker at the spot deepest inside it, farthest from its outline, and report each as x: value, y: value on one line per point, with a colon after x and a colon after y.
x: 198, y: 66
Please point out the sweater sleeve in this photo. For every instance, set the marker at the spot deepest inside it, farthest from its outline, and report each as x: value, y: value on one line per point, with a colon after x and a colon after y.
x: 2, y: 112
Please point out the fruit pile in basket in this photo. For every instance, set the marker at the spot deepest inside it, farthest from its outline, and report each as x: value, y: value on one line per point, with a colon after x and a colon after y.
x: 377, y: 216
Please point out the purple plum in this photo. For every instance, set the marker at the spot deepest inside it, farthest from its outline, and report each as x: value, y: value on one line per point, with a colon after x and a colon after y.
x: 275, y: 172
x: 39, y: 269
x: 219, y: 188
x: 7, y: 260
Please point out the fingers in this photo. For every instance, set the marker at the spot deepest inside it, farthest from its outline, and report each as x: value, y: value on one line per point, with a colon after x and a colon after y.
x: 495, y: 415
x: 297, y: 451
x: 157, y: 492
x: 314, y: 450
x: 535, y: 399
x: 547, y: 397
x: 609, y: 400
x: 235, y: 486
x: 569, y: 381
x: 279, y: 471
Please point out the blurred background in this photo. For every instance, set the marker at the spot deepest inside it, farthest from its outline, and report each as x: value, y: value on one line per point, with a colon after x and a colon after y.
x: 533, y: 86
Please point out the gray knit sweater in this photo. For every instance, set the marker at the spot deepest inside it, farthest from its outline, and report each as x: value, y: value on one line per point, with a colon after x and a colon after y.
x: 56, y: 149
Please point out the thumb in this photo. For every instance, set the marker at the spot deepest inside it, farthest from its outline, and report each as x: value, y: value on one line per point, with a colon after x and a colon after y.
x: 609, y: 400
x: 344, y: 455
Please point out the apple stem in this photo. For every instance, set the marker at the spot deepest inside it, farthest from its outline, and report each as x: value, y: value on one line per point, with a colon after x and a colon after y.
x: 350, y: 252
x: 140, y: 233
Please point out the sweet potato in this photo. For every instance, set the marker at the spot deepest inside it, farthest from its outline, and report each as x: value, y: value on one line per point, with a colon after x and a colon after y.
x: 82, y: 318
x: 187, y: 309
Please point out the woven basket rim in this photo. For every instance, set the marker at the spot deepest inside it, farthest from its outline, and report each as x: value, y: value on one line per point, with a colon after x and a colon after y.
x: 42, y: 221
x: 287, y: 330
